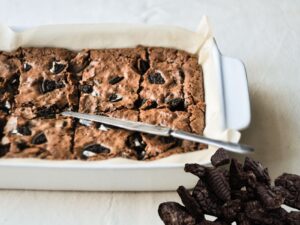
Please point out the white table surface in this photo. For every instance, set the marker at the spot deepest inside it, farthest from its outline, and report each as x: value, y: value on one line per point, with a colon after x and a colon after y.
x: 264, y: 34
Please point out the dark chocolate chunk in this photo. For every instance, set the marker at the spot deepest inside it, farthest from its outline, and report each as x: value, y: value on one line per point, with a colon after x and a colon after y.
x: 208, y: 201
x: 24, y: 130
x: 86, y: 88
x: 13, y: 83
x: 176, y: 104
x: 231, y: 209
x: 60, y: 84
x: 220, y: 158
x: 136, y: 143
x: 26, y: 67
x: 156, y: 78
x: 57, y: 67
x: 47, y: 112
x: 218, y: 184
x: 115, y: 80
x: 4, y: 149
x: 115, y: 98
x: 207, y: 222
x: 39, y: 138
x: 260, y: 172
x: 47, y: 86
x: 190, y: 203
x: 148, y: 104
x: 142, y: 66
x: 195, y: 169
x: 290, y: 185
x: 293, y: 218
x: 172, y: 213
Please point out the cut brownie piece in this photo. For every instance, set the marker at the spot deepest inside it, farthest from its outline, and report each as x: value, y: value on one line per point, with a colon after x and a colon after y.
x: 95, y: 141
x: 9, y: 79
x: 156, y: 145
x: 46, y: 87
x: 38, y: 138
x: 111, y: 81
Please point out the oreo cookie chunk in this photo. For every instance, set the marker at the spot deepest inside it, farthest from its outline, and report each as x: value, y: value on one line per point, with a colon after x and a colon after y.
x: 38, y: 138
x: 111, y: 81
x: 9, y: 80
x: 95, y: 141
x: 46, y: 85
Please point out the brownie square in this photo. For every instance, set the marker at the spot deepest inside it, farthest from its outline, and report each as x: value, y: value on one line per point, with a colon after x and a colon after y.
x: 9, y: 79
x: 46, y: 86
x: 95, y: 141
x: 111, y: 81
x: 39, y: 138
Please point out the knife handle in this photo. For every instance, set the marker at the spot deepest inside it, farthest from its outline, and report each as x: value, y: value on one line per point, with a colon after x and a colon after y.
x: 229, y: 146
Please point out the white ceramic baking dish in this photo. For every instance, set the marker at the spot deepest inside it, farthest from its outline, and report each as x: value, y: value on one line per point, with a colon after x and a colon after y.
x: 112, y: 175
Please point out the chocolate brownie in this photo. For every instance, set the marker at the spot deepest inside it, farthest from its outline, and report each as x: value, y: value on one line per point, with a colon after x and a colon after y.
x: 9, y: 79
x: 111, y: 81
x: 98, y: 141
x: 39, y: 138
x: 46, y: 86
x: 154, y: 85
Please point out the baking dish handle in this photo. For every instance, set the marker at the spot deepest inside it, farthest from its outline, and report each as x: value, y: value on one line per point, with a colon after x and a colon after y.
x: 236, y: 94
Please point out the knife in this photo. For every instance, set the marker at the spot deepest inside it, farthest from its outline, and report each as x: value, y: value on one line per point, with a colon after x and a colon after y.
x: 160, y: 131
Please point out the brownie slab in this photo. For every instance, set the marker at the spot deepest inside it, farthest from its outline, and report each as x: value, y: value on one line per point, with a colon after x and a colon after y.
x: 46, y: 87
x: 38, y: 138
x: 111, y: 81
x: 95, y: 141
x: 9, y: 79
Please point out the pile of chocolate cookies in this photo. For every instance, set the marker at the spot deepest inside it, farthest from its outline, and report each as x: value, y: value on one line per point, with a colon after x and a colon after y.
x: 242, y: 194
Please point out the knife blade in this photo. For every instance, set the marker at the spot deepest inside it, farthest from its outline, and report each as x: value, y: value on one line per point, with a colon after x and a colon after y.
x: 160, y: 131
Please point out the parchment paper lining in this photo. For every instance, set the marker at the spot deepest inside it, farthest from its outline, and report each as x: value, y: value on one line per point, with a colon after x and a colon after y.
x: 77, y: 37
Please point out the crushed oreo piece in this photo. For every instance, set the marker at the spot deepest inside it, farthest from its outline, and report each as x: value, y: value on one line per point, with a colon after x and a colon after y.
x: 47, y: 86
x: 290, y: 187
x: 4, y: 149
x: 24, y: 130
x: 93, y: 149
x: 195, y: 169
x: 220, y: 158
x: 39, y: 138
x: 231, y: 209
x: 260, y: 172
x: 172, y: 213
x: 218, y: 184
x: 136, y: 143
x: 115, y: 80
x: 293, y: 218
x: 86, y: 88
x: 176, y: 104
x: 249, y: 199
x: 57, y: 67
x: 26, y: 67
x: 115, y: 98
x: 208, y: 201
x: 22, y: 145
x: 47, y: 112
x: 142, y: 66
x: 156, y: 78
x: 190, y: 203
